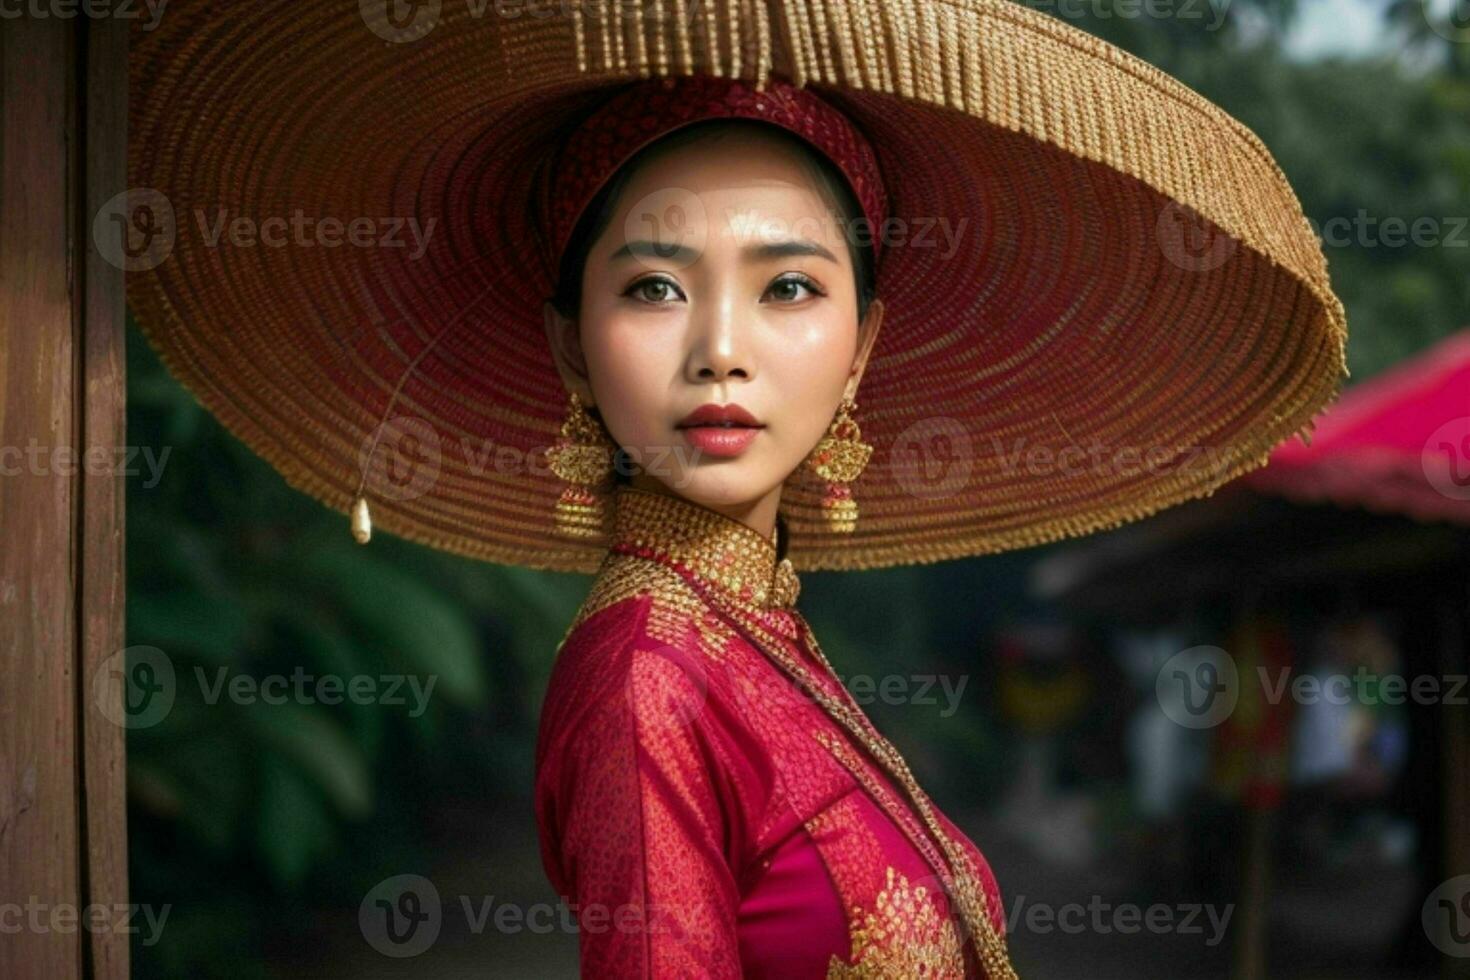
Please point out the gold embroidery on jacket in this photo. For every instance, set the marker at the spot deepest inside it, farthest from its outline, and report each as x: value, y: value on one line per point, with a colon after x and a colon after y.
x: 900, y: 814
x: 903, y: 936
x: 678, y: 615
x: 717, y: 549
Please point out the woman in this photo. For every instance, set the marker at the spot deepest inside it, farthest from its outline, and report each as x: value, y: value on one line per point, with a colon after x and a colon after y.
x: 685, y: 783
x: 1073, y: 293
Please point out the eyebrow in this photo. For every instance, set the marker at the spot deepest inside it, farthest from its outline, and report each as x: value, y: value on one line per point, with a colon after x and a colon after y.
x: 643, y: 248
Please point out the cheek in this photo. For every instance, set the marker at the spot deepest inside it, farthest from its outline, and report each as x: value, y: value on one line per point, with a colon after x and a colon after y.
x: 810, y: 368
x: 630, y: 367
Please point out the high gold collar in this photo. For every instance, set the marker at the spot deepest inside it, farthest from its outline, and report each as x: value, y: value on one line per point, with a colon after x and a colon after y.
x: 715, y: 548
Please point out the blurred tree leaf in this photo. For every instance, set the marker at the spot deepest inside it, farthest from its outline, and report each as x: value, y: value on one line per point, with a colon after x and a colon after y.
x: 325, y: 755
x: 189, y: 621
x: 402, y: 617
x: 293, y: 827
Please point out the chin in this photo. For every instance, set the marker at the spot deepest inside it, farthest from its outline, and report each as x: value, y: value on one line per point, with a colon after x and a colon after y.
x: 721, y: 483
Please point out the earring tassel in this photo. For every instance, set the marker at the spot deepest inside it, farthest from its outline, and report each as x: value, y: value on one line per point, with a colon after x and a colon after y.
x: 579, y: 513
x: 839, y: 509
x: 582, y: 457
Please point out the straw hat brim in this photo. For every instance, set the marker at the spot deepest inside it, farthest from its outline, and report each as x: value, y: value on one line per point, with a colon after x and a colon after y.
x: 1133, y: 308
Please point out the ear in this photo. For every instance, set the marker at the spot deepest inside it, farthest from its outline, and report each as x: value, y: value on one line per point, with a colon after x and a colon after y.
x: 566, y: 350
x: 867, y: 333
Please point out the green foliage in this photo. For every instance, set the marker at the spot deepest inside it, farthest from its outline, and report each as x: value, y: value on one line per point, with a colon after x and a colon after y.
x: 244, y: 795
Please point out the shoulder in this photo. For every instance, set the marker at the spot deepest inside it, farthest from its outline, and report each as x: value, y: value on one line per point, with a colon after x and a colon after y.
x: 643, y: 705
x: 656, y: 590
x: 639, y: 647
x: 627, y: 714
x: 634, y: 601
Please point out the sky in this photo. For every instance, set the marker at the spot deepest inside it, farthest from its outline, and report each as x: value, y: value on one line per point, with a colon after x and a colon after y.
x: 1355, y: 27
x: 1347, y: 27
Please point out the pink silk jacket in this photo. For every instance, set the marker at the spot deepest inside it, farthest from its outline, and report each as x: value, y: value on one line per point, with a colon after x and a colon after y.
x: 702, y: 815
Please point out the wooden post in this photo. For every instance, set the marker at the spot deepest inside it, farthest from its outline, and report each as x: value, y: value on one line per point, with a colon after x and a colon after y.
x: 63, y: 834
x: 1455, y: 755
x: 1256, y: 823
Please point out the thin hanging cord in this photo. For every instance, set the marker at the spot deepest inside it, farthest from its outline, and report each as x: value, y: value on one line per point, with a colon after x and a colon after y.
x: 393, y: 399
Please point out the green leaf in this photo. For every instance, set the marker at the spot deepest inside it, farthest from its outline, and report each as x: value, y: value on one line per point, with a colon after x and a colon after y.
x: 327, y: 652
x: 293, y: 827
x: 188, y: 622
x: 322, y: 751
x: 404, y: 619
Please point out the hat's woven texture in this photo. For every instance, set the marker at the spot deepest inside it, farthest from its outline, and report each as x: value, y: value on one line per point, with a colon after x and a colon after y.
x: 1102, y: 297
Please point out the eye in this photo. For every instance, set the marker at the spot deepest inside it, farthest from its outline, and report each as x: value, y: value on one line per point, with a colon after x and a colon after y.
x: 654, y: 290
x: 786, y: 288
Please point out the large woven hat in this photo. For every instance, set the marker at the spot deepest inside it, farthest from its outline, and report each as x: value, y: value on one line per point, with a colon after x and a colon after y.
x: 1130, y: 310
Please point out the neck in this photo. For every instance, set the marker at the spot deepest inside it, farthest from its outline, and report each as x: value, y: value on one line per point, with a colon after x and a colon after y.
x: 758, y: 515
x: 703, y: 544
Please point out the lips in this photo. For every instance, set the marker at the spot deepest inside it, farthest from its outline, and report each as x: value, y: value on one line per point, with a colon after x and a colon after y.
x: 720, y: 430
x: 730, y: 416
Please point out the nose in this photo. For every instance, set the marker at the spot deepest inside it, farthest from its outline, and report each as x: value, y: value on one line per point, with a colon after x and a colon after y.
x: 718, y: 348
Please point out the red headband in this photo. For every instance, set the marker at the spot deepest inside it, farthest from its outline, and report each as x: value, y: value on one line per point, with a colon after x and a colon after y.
x: 647, y: 110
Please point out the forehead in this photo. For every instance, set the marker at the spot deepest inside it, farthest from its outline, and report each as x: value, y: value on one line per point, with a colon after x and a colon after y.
x: 750, y: 163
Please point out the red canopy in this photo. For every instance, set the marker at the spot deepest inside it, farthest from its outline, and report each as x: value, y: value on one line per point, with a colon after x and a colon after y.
x: 1398, y: 443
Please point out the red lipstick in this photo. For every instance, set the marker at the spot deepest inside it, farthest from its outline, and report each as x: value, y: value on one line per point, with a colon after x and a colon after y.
x: 720, y: 430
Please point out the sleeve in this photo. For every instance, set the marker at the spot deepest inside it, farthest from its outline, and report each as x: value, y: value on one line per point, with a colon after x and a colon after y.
x: 636, y: 833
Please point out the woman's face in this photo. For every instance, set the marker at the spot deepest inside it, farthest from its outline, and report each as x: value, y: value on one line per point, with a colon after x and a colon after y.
x: 723, y: 278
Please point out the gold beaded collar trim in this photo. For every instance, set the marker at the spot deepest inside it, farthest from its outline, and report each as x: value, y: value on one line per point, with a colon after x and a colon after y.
x: 705, y: 543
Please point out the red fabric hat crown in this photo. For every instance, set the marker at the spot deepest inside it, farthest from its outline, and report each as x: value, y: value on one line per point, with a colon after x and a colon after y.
x: 645, y: 111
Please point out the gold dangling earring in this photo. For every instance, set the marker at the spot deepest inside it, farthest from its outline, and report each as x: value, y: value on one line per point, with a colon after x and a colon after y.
x: 839, y: 459
x: 583, y: 457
